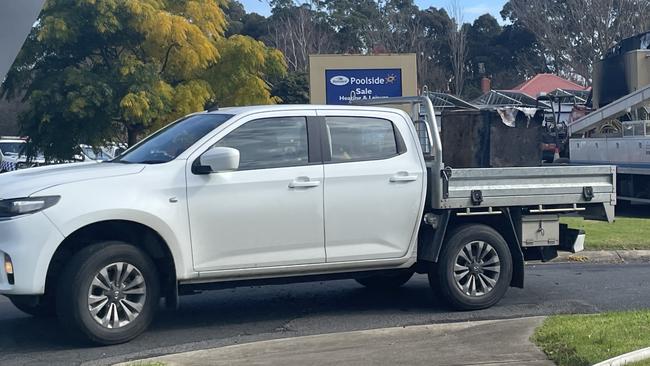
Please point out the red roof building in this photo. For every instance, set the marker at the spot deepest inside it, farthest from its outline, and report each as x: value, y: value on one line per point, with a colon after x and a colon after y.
x: 546, y: 83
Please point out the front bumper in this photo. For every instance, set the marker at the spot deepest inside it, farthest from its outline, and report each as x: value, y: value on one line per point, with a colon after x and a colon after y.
x: 30, y: 242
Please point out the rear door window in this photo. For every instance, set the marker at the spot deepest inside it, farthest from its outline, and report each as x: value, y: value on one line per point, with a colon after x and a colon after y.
x: 361, y: 138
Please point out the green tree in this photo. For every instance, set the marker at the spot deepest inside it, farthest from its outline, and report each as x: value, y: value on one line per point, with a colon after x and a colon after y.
x: 235, y: 14
x: 506, y: 54
x: 573, y: 34
x: 299, y: 30
x: 357, y: 24
x: 240, y: 76
x: 95, y: 69
x: 434, y: 65
x: 292, y: 89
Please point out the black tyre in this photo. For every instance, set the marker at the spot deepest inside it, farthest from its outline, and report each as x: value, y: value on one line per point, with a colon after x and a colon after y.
x: 474, y: 269
x: 108, y: 293
x: 386, y: 281
x: 40, y: 307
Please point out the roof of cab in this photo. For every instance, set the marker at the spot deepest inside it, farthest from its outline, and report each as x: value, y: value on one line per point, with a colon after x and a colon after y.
x: 293, y: 107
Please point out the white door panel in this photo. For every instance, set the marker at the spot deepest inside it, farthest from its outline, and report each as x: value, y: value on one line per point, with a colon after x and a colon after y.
x: 372, y: 207
x: 254, y: 219
x: 269, y: 212
x: 367, y: 215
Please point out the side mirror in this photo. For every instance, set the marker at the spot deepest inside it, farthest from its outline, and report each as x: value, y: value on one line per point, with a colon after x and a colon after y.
x: 218, y: 159
x: 78, y: 158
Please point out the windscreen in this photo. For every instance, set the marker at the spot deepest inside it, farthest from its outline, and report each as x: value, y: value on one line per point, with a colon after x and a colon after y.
x: 11, y: 148
x: 168, y: 143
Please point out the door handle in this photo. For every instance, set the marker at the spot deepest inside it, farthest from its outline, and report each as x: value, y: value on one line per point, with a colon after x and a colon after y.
x: 304, y: 182
x: 403, y: 177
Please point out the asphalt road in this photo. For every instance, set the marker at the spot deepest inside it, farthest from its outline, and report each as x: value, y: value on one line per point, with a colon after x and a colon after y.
x: 247, y: 314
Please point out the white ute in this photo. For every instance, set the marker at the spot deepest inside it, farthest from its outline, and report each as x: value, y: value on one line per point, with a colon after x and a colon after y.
x: 276, y: 193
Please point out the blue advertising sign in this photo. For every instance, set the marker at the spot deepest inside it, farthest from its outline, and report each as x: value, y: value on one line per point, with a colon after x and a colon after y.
x: 344, y: 86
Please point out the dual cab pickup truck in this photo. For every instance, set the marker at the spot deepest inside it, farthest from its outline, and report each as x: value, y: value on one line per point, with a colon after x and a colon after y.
x: 274, y: 194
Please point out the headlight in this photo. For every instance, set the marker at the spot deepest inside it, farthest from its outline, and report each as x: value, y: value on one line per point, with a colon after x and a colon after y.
x: 23, y: 206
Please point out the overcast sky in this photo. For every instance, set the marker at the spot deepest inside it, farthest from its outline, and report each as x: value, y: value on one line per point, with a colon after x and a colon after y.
x: 472, y: 8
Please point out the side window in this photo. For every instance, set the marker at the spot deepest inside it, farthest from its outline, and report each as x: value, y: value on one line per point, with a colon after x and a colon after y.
x: 361, y: 138
x: 270, y: 143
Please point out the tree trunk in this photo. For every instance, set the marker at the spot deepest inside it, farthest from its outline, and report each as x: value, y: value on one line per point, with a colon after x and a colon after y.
x: 132, y: 135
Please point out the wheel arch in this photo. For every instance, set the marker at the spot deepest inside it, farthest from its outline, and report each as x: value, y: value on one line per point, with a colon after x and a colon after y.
x: 431, y: 241
x: 131, y: 232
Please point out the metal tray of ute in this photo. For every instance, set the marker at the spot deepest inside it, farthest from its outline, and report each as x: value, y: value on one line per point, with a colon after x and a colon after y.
x: 530, y: 186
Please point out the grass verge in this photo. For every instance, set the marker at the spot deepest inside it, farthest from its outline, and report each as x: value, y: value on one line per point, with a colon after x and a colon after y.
x: 582, y: 340
x: 626, y: 233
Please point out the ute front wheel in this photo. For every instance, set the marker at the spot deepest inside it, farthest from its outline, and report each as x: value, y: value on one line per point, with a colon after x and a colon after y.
x: 108, y: 293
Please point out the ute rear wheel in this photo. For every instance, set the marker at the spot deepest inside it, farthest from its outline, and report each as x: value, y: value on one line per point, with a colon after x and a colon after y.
x: 386, y: 281
x: 108, y: 293
x: 474, y: 269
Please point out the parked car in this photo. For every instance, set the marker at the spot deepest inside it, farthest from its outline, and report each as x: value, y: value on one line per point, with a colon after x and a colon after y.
x: 89, y: 153
x: 114, y: 149
x: 14, y: 156
x: 10, y: 148
x: 277, y: 193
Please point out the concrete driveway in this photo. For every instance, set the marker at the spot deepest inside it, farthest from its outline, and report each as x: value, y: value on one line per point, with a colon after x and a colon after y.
x: 497, y: 342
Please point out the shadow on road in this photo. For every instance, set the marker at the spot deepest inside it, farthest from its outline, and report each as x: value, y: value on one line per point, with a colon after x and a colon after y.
x: 224, y: 313
x: 256, y: 304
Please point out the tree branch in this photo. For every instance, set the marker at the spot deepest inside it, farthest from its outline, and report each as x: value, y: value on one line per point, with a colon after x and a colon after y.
x: 167, y: 53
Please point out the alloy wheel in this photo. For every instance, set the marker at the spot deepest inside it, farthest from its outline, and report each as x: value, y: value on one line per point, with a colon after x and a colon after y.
x: 477, y: 268
x: 117, y: 295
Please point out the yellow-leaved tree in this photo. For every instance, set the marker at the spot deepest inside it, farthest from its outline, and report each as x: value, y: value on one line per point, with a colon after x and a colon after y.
x: 93, y: 69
